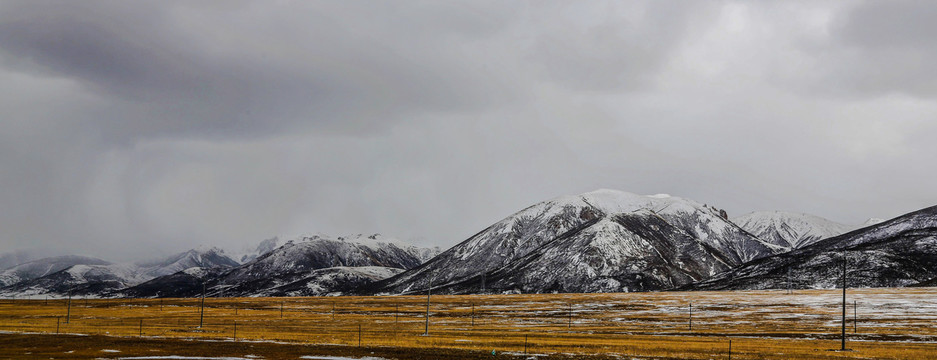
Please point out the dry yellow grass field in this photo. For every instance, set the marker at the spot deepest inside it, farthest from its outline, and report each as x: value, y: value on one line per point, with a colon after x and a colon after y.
x: 889, y: 323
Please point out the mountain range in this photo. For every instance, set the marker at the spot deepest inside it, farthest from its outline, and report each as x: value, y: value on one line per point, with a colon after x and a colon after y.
x: 898, y: 252
x: 600, y: 241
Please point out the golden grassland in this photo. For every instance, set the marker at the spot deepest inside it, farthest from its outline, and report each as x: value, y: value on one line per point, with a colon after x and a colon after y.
x: 884, y: 324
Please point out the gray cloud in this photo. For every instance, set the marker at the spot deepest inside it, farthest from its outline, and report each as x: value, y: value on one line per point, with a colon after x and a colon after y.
x: 876, y: 49
x: 134, y: 129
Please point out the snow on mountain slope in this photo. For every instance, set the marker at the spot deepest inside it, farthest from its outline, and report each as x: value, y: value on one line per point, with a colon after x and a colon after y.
x: 202, y: 258
x: 604, y: 240
x: 789, y: 230
x: 297, y: 259
x: 377, y: 242
x: 897, y: 252
x: 78, y: 280
x: 42, y: 267
x: 332, y: 281
x: 13, y: 258
x: 99, y: 277
x: 185, y: 283
x: 262, y: 248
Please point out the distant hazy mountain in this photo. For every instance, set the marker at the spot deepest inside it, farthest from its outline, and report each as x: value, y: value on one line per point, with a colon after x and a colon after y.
x: 88, y: 276
x: 789, y: 230
x: 203, y: 258
x: 897, y: 252
x: 76, y: 280
x: 261, y: 249
x: 13, y: 258
x: 604, y: 240
x: 42, y: 267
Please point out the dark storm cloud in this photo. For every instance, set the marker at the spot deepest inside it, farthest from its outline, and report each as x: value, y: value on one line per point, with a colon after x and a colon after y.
x: 134, y: 128
x: 183, y: 68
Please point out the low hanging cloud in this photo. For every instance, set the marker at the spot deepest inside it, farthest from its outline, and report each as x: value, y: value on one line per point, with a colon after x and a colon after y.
x: 130, y: 129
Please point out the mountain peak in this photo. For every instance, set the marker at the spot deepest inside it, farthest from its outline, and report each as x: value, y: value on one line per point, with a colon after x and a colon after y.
x: 788, y: 229
x: 596, y: 241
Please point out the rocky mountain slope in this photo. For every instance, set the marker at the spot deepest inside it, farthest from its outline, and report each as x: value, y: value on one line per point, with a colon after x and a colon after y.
x: 790, y: 230
x: 202, y: 258
x: 603, y: 240
x: 97, y: 277
x: 45, y: 266
x: 897, y: 252
x: 311, y: 265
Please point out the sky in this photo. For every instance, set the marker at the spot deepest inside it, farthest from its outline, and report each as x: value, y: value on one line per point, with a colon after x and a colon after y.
x: 134, y: 129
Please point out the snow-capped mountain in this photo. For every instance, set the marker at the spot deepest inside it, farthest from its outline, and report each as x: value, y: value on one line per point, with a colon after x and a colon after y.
x: 789, y: 230
x: 288, y: 268
x: 76, y: 280
x: 97, y: 277
x: 13, y: 258
x: 264, y: 247
x: 45, y: 266
x: 897, y: 252
x: 604, y: 240
x: 202, y: 258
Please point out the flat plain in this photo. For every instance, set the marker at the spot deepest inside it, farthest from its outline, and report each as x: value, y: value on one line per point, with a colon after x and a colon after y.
x: 895, y: 323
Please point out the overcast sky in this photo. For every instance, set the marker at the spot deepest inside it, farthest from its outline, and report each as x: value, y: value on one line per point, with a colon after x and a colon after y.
x: 129, y: 129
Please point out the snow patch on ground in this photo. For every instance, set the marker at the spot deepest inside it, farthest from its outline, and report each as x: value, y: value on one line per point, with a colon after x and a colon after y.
x: 316, y: 357
x: 186, y: 358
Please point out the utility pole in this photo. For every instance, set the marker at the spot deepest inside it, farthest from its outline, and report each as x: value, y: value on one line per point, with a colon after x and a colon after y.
x: 569, y: 320
x: 281, y: 309
x: 789, y: 291
x: 68, y: 313
x: 843, y: 347
x: 473, y: 314
x: 202, y: 311
x: 429, y: 290
x: 57, y: 320
x: 691, y: 316
x: 235, y: 330
x: 730, y: 349
x: 359, y: 335
x: 855, y: 317
x: 141, y: 327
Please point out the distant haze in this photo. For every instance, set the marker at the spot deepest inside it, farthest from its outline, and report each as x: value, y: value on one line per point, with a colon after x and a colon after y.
x: 129, y: 129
